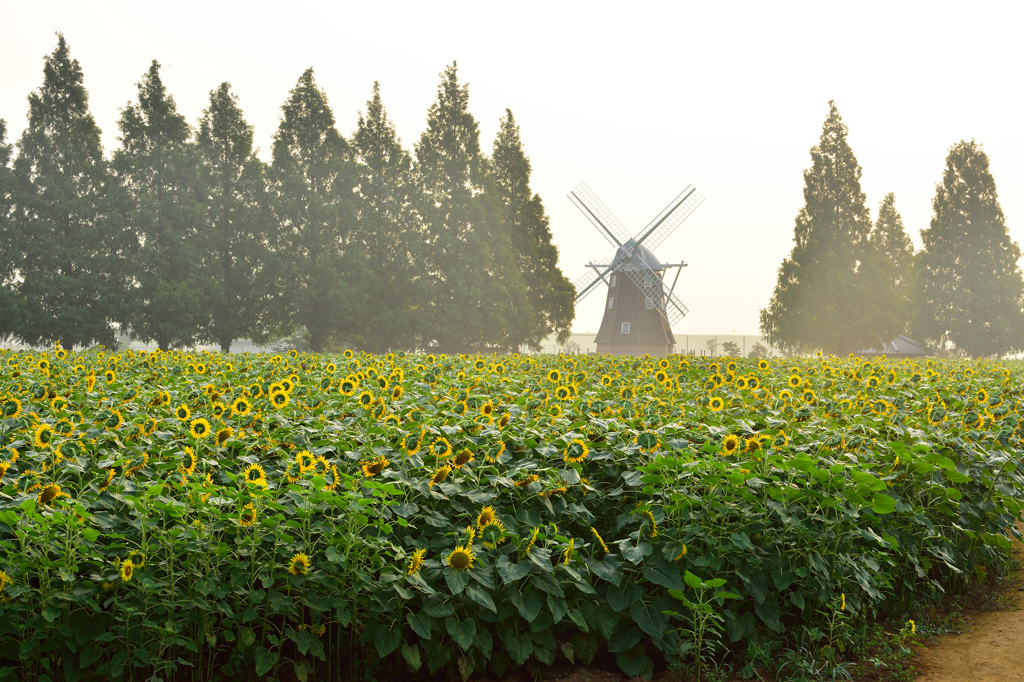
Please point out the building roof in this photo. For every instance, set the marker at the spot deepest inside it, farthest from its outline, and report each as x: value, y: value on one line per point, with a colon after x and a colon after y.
x: 901, y: 346
x: 645, y: 253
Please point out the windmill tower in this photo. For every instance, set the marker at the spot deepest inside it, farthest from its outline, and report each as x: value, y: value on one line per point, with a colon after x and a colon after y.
x: 640, y: 309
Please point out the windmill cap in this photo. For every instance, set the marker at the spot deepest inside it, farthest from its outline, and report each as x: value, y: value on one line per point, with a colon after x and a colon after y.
x: 630, y: 246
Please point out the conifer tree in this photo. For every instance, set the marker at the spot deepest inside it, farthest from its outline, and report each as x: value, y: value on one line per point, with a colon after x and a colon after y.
x: 8, y: 260
x: 971, y: 291
x: 238, y: 223
x: 65, y: 245
x: 390, y: 232
x: 313, y: 180
x: 161, y: 199
x: 894, y: 261
x: 550, y: 293
x: 476, y: 299
x: 824, y: 299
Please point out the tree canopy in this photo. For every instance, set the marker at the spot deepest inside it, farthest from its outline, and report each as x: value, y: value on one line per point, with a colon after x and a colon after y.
x: 827, y: 289
x: 64, y: 245
x: 185, y: 236
x: 971, y: 291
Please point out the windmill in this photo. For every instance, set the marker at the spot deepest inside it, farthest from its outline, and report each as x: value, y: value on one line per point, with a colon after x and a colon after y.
x: 640, y: 309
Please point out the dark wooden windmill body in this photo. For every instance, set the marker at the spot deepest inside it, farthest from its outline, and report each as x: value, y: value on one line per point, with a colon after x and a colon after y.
x: 640, y: 309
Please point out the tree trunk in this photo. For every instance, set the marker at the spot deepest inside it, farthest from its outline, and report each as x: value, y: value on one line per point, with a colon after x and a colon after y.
x: 225, y: 346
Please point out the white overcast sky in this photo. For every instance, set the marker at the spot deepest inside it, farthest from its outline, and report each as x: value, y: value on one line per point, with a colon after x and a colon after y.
x: 637, y: 99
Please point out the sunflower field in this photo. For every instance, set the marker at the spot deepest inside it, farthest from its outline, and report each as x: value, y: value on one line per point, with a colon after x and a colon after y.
x: 191, y: 516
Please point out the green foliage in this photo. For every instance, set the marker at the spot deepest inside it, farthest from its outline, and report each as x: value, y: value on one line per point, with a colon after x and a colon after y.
x: 971, y: 292
x: 328, y: 524
x: 313, y: 179
x: 475, y: 297
x: 550, y: 292
x: 63, y: 245
x: 8, y: 252
x: 824, y: 299
x: 238, y: 224
x: 390, y: 234
x: 160, y: 196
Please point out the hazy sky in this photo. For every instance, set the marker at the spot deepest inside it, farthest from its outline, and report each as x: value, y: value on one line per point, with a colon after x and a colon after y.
x: 637, y: 100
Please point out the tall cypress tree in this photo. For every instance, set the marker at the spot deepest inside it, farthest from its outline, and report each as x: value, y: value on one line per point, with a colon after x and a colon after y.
x: 476, y: 299
x: 971, y: 287
x: 550, y: 292
x: 161, y: 199
x: 238, y: 222
x: 313, y: 180
x: 389, y: 232
x: 65, y: 246
x: 8, y: 260
x: 823, y: 299
x: 895, y: 255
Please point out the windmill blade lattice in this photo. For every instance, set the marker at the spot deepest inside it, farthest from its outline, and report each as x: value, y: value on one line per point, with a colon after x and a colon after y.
x: 588, y: 282
x: 652, y: 286
x: 597, y: 213
x: 670, y: 218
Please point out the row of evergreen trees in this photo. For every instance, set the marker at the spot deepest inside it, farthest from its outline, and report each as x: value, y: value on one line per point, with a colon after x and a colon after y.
x: 183, y: 235
x: 849, y: 285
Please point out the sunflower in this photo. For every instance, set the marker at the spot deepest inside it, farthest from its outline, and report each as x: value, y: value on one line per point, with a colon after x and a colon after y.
x: 255, y: 475
x: 441, y: 448
x: 532, y: 478
x: 554, y: 376
x: 224, y: 434
x: 752, y: 444
x: 741, y: 383
x: 247, y: 517
x: 127, y: 569
x: 279, y: 400
x: 440, y: 475
x: 110, y: 478
x: 492, y: 454
x: 182, y: 413
x: 808, y: 396
x: 731, y: 444
x: 42, y: 436
x: 241, y: 407
x: 415, y: 562
x: 365, y: 398
x: 716, y: 404
x: 626, y: 393
x: 396, y: 392
x: 49, y: 493
x: 503, y: 420
x: 461, y: 558
x: 5, y: 580
x: 10, y: 408
x: 464, y: 457
x: 492, y: 534
x: 199, y: 428
x: 187, y: 465
x: 576, y: 451
x: 487, y: 514
x: 753, y: 383
x: 299, y: 564
x: 762, y: 364
x: 58, y: 403
x: 348, y: 386
x: 600, y: 541
x: 794, y: 381
x: 487, y: 409
x: 374, y: 466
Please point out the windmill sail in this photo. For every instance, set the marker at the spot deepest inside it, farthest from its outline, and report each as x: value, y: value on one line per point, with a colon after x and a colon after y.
x: 597, y: 213
x: 670, y: 218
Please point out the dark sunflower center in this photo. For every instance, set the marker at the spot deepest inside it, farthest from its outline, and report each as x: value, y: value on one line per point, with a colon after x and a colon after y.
x: 460, y: 560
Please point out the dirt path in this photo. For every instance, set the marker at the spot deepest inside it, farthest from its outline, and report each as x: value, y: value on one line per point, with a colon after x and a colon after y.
x: 992, y: 652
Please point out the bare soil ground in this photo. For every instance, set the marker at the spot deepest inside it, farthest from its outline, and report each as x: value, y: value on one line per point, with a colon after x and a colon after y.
x: 993, y: 649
